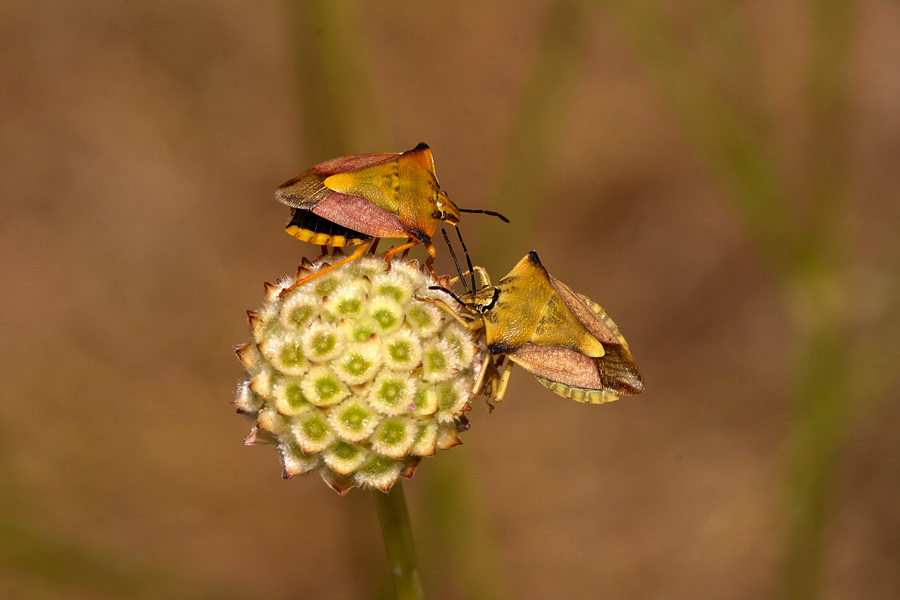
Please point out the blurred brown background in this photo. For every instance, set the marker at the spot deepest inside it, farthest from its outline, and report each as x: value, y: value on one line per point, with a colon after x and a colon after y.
x: 721, y: 176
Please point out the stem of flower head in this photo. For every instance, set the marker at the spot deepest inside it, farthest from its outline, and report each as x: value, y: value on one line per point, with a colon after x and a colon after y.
x: 399, y: 542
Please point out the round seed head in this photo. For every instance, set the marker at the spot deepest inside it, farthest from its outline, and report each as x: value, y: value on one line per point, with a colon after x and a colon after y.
x: 246, y: 400
x: 360, y: 329
x: 294, y: 461
x: 453, y: 400
x: 380, y: 473
x: 461, y: 341
x: 425, y: 440
x: 312, y: 432
x: 424, y: 318
x: 352, y: 376
x: 395, y: 284
x: 427, y: 401
x: 366, y: 267
x: 325, y: 285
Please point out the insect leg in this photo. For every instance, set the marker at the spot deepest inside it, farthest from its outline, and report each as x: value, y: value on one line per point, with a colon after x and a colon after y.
x: 479, y: 382
x: 431, y: 254
x: 360, y: 250
x: 485, y: 280
x: 504, y: 381
x: 470, y: 325
x: 390, y: 253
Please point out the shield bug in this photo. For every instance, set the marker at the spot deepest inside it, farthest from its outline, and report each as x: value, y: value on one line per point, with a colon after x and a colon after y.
x: 565, y: 339
x: 355, y: 200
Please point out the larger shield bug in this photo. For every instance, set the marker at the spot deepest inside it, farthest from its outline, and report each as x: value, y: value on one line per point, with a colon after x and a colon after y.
x: 565, y: 339
x: 355, y: 200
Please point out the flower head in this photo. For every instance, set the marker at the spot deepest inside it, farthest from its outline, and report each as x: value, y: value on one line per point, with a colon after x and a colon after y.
x: 353, y: 376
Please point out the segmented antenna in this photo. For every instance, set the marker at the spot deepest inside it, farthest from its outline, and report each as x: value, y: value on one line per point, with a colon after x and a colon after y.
x: 451, y: 293
x: 456, y: 262
x: 485, y: 212
x: 468, y: 261
x: 462, y: 277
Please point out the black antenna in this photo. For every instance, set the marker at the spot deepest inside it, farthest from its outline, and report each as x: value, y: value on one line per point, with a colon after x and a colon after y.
x: 450, y: 292
x: 468, y: 261
x: 485, y: 212
x: 456, y: 262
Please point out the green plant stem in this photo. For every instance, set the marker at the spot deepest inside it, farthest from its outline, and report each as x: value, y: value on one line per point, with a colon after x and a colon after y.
x: 739, y: 155
x: 533, y: 144
x: 398, y: 541
x: 339, y: 108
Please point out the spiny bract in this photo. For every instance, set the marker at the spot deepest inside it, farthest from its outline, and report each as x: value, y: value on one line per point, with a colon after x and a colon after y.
x: 352, y: 376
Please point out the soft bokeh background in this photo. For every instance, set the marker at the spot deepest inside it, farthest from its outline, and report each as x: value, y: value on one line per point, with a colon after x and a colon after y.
x: 721, y: 176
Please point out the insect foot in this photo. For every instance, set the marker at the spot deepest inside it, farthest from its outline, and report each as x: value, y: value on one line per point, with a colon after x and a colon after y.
x: 351, y: 376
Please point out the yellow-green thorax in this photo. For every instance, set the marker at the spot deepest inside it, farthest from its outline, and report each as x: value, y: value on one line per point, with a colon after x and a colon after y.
x: 529, y: 311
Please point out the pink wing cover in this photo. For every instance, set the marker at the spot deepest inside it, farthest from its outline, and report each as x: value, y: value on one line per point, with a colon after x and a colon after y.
x: 359, y: 215
x: 342, y: 164
x: 559, y: 364
x: 307, y: 191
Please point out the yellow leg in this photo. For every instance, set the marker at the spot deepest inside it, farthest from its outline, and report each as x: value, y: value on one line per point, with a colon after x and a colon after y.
x: 504, y: 381
x: 470, y: 325
x: 485, y: 280
x: 360, y: 250
x: 479, y: 382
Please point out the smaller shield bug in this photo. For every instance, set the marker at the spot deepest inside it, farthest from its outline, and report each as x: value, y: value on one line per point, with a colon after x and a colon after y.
x: 355, y: 200
x: 565, y: 339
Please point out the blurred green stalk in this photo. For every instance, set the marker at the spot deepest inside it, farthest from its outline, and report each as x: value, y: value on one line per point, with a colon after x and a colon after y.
x: 398, y: 541
x: 823, y: 417
x: 341, y: 113
x: 808, y: 254
x: 526, y: 176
